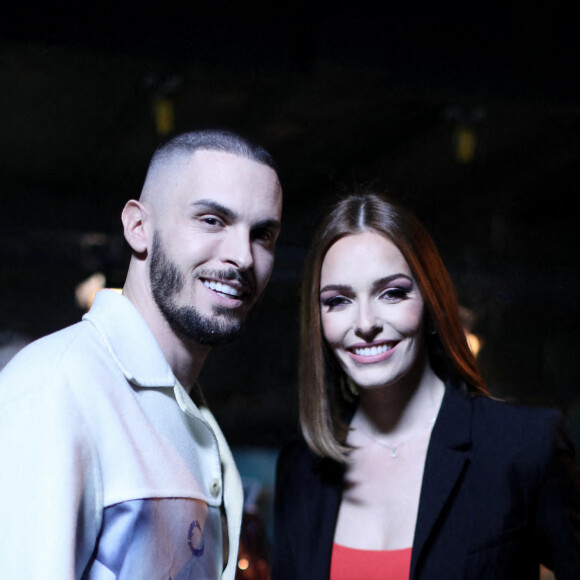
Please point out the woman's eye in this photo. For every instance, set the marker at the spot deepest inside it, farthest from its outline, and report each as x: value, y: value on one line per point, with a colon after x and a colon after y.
x: 395, y: 294
x: 334, y: 302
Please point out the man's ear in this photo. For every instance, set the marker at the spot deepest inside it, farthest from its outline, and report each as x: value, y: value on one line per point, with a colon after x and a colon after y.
x: 135, y: 218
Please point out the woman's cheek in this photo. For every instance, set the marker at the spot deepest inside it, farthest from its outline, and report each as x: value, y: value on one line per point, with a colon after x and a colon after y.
x: 331, y: 328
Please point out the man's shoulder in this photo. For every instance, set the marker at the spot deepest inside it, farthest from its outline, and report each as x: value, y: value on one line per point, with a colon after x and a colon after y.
x: 74, y: 355
x: 58, y: 353
x: 64, y: 348
x: 46, y: 348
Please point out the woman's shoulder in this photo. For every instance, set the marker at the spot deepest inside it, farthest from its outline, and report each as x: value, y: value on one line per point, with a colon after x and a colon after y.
x: 291, y: 456
x: 297, y: 463
x: 505, y: 412
x: 511, y: 425
x: 296, y: 454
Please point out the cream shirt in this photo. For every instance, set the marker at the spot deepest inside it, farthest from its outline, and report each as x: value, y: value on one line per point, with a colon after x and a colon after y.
x: 109, y: 470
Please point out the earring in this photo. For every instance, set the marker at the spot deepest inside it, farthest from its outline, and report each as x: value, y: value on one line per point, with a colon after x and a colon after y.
x: 430, y: 326
x: 348, y: 389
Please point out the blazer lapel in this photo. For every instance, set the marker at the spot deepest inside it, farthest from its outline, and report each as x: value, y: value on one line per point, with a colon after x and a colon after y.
x: 447, y: 457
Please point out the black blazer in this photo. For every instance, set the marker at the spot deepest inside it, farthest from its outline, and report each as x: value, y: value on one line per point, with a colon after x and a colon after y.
x: 500, y: 495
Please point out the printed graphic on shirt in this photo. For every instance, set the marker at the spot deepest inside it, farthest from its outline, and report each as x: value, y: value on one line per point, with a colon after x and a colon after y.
x: 159, y: 539
x: 195, y: 539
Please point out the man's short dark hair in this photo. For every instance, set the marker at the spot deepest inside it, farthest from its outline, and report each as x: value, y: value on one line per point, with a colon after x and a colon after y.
x: 211, y: 140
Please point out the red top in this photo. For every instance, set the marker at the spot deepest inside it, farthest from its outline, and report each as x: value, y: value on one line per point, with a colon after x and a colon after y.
x: 354, y: 564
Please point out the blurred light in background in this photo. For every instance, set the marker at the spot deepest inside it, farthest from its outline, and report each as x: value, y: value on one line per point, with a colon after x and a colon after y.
x: 465, y: 143
x: 86, y: 291
x: 468, y: 320
x: 474, y: 343
x: 163, y: 108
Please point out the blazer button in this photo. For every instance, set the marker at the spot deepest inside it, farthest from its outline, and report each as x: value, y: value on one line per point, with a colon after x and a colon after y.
x: 215, y: 487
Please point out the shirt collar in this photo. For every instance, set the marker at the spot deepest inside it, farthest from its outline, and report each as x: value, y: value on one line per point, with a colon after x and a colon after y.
x: 129, y: 340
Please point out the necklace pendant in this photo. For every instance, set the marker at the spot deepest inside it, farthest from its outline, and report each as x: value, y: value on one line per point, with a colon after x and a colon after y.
x: 394, y: 453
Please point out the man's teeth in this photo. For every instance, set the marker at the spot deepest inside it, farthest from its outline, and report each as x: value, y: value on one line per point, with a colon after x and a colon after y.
x: 373, y: 350
x: 223, y: 288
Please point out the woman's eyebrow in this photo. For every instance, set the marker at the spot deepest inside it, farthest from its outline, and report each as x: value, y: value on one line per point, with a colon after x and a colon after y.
x: 336, y: 288
x: 378, y: 284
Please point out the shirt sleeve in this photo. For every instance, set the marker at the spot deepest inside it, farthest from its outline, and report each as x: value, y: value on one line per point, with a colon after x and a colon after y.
x: 49, y: 487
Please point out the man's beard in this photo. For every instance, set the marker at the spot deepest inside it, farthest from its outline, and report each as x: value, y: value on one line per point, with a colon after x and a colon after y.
x: 186, y: 321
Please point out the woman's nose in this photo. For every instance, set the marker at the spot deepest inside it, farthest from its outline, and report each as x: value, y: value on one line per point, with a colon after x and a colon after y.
x: 368, y: 325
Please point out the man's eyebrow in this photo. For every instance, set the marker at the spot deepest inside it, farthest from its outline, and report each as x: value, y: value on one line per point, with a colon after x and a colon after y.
x: 233, y: 216
x: 217, y: 208
x: 270, y: 224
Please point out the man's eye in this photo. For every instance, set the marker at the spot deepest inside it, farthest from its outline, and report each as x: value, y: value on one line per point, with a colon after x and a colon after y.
x: 211, y: 220
x: 263, y: 235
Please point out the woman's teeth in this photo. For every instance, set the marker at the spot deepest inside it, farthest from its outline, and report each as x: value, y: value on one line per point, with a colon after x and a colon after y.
x: 372, y: 350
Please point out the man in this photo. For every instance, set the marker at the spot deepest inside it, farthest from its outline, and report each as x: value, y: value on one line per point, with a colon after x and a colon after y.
x: 111, y: 465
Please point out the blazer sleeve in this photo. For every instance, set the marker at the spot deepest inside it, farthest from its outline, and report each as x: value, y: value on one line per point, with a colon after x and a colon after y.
x: 558, y: 516
x: 283, y: 557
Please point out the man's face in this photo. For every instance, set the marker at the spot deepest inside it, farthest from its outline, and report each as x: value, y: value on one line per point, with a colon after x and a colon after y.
x: 213, y: 247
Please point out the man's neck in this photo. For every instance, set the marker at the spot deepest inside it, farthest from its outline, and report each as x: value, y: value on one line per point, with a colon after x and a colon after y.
x: 185, y: 357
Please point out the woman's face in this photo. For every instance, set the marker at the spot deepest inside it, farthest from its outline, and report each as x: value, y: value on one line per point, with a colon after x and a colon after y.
x: 371, y: 310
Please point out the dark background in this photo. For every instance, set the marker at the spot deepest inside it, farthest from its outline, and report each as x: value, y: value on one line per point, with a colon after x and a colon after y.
x: 340, y: 93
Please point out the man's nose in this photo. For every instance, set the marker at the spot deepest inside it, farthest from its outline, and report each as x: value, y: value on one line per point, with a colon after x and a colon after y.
x: 236, y: 249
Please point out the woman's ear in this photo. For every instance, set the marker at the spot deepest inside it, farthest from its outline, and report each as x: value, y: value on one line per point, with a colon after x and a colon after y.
x: 135, y: 217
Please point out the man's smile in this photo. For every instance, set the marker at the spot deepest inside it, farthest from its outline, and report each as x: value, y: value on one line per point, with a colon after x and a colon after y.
x: 223, y: 288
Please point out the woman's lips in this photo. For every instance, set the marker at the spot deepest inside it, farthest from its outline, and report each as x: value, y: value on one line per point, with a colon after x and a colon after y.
x: 372, y: 353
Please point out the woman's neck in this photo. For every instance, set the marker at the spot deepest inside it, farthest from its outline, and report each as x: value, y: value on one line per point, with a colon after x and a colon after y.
x: 401, y: 408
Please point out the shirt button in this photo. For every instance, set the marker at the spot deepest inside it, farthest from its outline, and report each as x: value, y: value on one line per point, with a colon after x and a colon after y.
x: 215, y: 487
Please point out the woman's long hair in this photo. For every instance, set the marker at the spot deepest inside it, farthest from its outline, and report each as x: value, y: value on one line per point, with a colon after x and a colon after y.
x: 322, y: 402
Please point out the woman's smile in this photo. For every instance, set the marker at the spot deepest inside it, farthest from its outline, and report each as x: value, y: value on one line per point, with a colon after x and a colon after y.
x: 370, y: 354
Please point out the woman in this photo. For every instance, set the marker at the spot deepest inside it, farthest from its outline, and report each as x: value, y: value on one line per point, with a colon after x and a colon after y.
x: 409, y: 469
